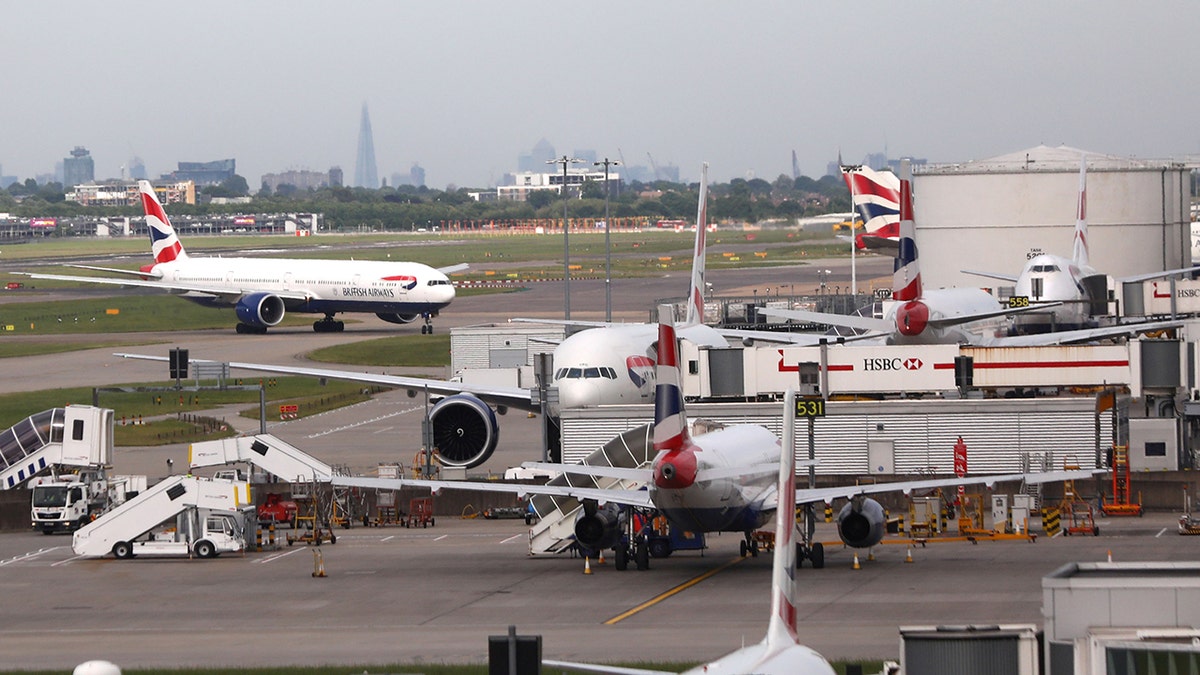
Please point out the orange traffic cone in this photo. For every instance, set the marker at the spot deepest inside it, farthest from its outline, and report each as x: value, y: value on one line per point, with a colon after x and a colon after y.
x: 856, y: 565
x: 600, y: 558
x: 587, y: 565
x: 908, y: 556
x: 1110, y: 555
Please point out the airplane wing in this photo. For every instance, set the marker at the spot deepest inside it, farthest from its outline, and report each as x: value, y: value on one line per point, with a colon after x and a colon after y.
x: 992, y: 275
x: 150, y: 283
x: 1082, y: 335
x: 512, y: 397
x: 601, y: 670
x: 451, y: 269
x: 1157, y: 275
x: 639, y: 498
x: 114, y: 270
x: 645, y: 475
x: 850, y: 321
x: 812, y: 495
x: 569, y: 322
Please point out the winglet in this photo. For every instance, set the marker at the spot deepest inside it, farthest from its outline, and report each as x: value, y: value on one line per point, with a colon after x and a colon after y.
x: 695, y: 308
x: 1079, y: 254
x: 782, y: 631
x: 906, y: 281
x: 163, y: 240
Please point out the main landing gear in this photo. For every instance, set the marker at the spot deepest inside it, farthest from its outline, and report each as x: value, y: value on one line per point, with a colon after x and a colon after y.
x: 749, y: 546
x: 806, y: 548
x: 328, y: 325
x: 247, y: 329
x: 428, y: 327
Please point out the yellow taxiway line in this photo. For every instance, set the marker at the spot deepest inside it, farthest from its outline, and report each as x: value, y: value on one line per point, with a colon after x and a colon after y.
x: 666, y: 594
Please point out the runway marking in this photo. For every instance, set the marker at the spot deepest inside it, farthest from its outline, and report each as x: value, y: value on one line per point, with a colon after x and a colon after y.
x: 515, y: 536
x: 1160, y: 533
x: 388, y: 538
x: 678, y: 589
x: 28, y: 556
x: 365, y: 422
x: 277, y: 556
x: 441, y: 537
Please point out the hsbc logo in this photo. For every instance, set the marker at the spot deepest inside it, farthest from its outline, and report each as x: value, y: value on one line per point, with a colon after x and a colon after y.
x: 880, y: 365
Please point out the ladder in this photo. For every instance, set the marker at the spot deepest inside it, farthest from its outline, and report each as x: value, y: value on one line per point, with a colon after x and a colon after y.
x: 1121, y: 502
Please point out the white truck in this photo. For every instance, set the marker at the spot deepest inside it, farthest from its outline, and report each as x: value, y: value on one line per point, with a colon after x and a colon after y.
x: 181, y: 515
x: 67, y: 502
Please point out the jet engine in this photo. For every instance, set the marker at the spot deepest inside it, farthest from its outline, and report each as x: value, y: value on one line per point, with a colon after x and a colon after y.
x: 598, y: 527
x: 465, y: 431
x: 261, y: 310
x: 861, y: 523
x: 398, y: 318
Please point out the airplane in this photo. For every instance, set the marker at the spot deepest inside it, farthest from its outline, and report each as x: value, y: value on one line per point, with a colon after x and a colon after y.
x: 718, y: 481
x: 262, y: 290
x: 1070, y: 289
x: 947, y: 315
x: 780, y: 651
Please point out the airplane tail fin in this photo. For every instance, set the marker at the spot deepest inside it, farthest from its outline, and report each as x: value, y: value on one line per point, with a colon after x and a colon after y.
x: 670, y: 420
x: 163, y: 240
x: 782, y: 631
x: 1080, y: 253
x: 695, y: 306
x: 906, y: 281
x: 875, y: 195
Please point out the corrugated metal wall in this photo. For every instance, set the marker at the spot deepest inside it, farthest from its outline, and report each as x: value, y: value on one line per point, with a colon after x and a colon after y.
x: 998, y: 433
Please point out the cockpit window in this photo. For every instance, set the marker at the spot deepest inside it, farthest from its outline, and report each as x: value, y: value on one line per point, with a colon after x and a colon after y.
x: 438, y: 282
x: 591, y: 373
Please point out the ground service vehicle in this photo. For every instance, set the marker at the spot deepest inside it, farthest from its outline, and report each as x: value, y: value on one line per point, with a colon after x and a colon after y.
x: 67, y: 502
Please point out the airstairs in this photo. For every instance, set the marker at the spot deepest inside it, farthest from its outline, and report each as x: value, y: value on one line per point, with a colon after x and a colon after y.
x: 77, y: 435
x: 555, y: 531
x: 271, y: 454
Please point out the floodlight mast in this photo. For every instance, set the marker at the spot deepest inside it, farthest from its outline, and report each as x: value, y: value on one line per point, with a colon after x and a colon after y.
x: 564, y: 160
x: 606, y: 162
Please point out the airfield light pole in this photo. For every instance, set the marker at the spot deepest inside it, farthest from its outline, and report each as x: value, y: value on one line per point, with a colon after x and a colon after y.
x: 607, y: 245
x: 564, y: 160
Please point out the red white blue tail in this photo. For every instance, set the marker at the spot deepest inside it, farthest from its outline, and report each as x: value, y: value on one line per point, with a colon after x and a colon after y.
x: 670, y: 421
x: 782, y: 631
x: 906, y: 281
x: 163, y: 240
x: 695, y: 307
x: 1079, y: 254
x: 875, y: 195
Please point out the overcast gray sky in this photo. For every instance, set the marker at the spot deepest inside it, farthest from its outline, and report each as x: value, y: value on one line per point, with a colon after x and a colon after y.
x: 463, y: 88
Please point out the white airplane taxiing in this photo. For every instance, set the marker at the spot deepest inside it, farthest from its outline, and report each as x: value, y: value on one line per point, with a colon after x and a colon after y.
x: 1070, y: 290
x: 948, y: 315
x: 262, y: 290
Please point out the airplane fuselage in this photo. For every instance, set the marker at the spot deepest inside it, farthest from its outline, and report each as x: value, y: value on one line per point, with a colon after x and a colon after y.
x: 315, y: 286
x: 614, y: 365
x: 1050, y: 278
x: 734, y: 504
x: 915, y: 320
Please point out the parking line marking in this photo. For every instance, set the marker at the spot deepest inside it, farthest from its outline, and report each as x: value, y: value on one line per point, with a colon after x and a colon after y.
x: 277, y: 557
x: 511, y: 538
x: 28, y: 556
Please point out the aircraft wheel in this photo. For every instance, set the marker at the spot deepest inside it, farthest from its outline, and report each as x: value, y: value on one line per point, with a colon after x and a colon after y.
x: 341, y: 326
x: 621, y: 558
x: 241, y: 328
x: 642, y: 555
x: 745, y: 550
x: 817, y: 555
x: 660, y: 548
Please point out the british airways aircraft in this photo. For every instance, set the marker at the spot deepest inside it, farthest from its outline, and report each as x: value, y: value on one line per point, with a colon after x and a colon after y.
x: 262, y: 290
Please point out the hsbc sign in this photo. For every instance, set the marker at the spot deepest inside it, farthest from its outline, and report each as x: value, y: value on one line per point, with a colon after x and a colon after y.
x: 879, y: 364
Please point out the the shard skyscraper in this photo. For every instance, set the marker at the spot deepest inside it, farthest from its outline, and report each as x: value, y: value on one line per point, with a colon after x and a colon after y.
x: 365, y: 173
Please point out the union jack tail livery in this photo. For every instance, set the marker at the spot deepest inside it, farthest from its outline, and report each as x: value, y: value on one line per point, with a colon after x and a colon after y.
x: 670, y: 421
x: 782, y: 631
x: 906, y: 281
x: 1080, y: 253
x: 695, y: 308
x: 876, y: 197
x: 163, y: 240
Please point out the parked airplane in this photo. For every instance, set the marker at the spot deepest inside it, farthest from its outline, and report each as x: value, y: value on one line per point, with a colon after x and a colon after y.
x: 717, y: 481
x: 1070, y: 290
x: 780, y: 652
x: 949, y: 315
x: 262, y: 290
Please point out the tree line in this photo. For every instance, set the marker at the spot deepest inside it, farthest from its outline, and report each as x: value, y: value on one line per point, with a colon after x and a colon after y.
x: 408, y: 207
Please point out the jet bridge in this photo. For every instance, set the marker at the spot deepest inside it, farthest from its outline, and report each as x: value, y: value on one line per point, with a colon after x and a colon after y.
x: 77, y: 435
x: 264, y: 451
x: 165, y: 500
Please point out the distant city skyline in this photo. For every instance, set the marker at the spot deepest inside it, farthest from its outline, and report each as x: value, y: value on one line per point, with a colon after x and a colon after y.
x: 463, y: 89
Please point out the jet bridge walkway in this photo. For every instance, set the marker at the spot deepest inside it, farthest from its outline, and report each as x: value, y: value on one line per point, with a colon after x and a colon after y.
x: 77, y: 435
x: 555, y: 531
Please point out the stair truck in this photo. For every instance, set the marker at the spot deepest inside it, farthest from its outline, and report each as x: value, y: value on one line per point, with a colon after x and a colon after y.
x: 181, y: 515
